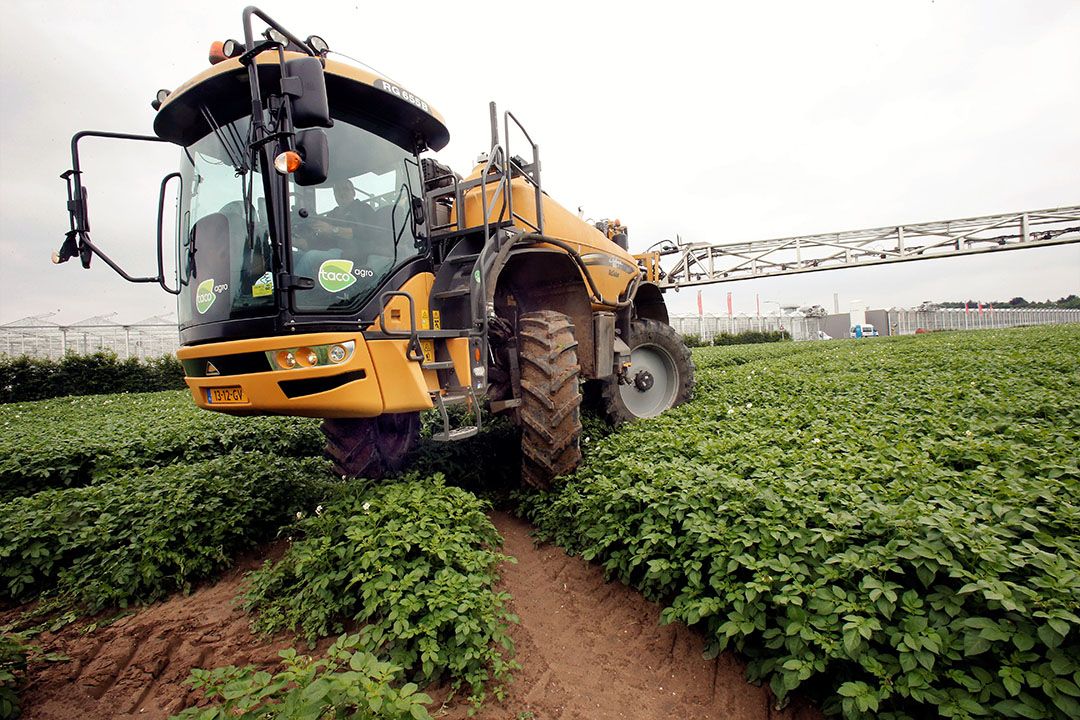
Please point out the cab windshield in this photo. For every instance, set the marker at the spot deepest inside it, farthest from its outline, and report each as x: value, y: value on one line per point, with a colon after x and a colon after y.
x: 225, y: 259
x: 351, y: 231
x: 348, y: 233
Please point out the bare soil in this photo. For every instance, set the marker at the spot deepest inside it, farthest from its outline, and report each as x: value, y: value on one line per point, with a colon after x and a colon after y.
x: 594, y: 650
x: 136, y: 666
x: 589, y: 650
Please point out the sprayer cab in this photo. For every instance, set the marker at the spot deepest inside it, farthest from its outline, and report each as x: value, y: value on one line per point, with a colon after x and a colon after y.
x: 299, y: 189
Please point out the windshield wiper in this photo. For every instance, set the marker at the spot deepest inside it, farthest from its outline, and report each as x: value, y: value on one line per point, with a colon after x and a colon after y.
x: 232, y: 143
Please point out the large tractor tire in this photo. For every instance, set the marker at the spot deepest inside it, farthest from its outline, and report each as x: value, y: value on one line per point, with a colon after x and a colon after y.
x: 371, y: 447
x: 661, y: 375
x: 550, y: 411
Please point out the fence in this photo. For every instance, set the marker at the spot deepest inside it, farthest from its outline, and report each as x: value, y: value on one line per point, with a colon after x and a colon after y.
x: 709, y: 326
x: 898, y: 322
x: 906, y: 322
x: 39, y: 338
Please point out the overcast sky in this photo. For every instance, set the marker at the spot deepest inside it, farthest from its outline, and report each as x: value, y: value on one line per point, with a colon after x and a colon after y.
x: 719, y: 122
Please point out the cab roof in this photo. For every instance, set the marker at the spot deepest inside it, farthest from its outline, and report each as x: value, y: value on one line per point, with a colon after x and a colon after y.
x: 223, y: 89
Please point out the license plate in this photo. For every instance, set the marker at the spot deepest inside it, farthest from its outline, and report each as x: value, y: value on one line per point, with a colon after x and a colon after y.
x: 226, y: 396
x: 428, y: 346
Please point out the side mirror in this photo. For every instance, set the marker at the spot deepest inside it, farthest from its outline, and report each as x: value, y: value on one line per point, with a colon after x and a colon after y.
x: 315, y: 153
x: 305, y: 84
x: 161, y: 234
x: 418, y: 210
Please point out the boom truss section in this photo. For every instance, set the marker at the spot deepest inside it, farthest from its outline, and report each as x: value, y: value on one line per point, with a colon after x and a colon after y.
x: 705, y: 263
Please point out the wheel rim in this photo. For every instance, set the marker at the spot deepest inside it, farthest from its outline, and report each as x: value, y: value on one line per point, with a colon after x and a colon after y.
x: 654, y: 381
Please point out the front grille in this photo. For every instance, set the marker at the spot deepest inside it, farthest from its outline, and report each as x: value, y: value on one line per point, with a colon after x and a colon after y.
x: 238, y: 364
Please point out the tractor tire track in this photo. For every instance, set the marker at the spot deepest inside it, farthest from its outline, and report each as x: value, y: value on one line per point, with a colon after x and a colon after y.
x: 594, y: 650
x: 137, y: 666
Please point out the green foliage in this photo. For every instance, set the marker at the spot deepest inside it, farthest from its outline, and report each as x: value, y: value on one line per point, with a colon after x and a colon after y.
x: 693, y: 340
x: 17, y: 653
x: 891, y: 527
x: 413, y: 562
x: 347, y: 683
x: 751, y: 337
x: 78, y: 440
x: 470, y: 463
x: 146, y: 534
x: 14, y: 651
x: 26, y: 378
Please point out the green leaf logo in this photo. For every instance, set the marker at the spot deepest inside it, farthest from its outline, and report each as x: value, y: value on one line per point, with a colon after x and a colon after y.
x: 204, y: 295
x: 335, y: 275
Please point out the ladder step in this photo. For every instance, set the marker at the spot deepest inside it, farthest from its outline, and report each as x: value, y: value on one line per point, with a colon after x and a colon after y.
x: 455, y: 292
x: 456, y: 434
x: 455, y: 398
x: 440, y: 365
x: 463, y: 259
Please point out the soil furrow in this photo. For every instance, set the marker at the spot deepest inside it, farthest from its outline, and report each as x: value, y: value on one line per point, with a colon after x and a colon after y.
x: 588, y: 650
x: 594, y: 649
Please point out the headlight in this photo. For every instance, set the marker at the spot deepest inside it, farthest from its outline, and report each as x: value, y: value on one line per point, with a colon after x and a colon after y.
x: 311, y: 355
x: 285, y: 359
x: 307, y: 357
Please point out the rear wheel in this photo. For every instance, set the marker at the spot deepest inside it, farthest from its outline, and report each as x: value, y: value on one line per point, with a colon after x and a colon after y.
x: 370, y: 447
x: 661, y: 375
x: 550, y: 411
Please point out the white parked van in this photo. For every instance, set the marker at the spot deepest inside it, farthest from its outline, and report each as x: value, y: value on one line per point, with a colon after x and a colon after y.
x: 864, y: 330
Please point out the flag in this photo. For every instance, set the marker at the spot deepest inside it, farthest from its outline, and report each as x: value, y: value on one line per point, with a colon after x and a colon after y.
x: 980, y: 309
x: 991, y: 307
x: 757, y: 299
x: 700, y: 312
x: 967, y: 309
x: 729, y: 313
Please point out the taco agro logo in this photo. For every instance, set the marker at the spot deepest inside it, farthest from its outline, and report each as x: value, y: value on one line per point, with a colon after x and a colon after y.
x: 204, y: 295
x: 335, y: 275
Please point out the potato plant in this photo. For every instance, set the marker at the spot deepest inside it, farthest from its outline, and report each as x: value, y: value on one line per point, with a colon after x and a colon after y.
x: 345, y: 683
x: 148, y: 533
x: 14, y: 654
x: 412, y: 564
x: 77, y: 440
x: 892, y: 527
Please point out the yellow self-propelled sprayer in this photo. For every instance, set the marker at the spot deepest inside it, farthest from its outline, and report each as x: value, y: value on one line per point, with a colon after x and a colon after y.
x: 326, y: 269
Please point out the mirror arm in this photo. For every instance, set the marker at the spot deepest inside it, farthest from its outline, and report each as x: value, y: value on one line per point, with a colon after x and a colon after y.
x: 85, y: 244
x: 249, y: 37
x: 248, y: 59
x: 287, y: 99
x: 80, y: 223
x: 77, y: 239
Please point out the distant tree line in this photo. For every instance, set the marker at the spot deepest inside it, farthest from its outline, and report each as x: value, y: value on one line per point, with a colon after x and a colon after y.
x: 1070, y: 302
x: 25, y: 378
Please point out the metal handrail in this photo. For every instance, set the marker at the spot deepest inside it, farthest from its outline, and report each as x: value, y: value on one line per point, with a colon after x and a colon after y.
x: 496, y: 151
x: 533, y: 179
x: 413, y: 351
x: 481, y: 322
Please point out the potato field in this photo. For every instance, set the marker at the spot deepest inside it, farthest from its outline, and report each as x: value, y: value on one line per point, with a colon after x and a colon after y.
x: 880, y: 528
